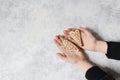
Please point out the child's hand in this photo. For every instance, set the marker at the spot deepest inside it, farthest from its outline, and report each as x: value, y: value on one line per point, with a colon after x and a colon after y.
x: 89, y: 41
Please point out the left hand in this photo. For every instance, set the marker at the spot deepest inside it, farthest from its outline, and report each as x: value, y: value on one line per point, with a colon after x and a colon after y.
x: 68, y: 56
x: 77, y: 58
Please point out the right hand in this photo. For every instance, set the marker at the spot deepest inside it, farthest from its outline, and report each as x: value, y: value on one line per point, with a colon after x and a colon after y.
x: 89, y: 41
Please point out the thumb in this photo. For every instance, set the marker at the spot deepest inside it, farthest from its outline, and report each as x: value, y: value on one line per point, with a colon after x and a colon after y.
x: 84, y: 30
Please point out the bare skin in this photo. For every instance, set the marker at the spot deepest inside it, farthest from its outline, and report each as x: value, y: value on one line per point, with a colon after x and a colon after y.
x: 79, y: 59
x: 88, y: 40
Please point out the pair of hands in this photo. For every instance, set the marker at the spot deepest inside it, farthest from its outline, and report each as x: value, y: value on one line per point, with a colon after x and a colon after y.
x: 89, y: 43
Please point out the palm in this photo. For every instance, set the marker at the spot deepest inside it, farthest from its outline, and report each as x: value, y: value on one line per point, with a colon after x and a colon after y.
x: 74, y: 58
x: 89, y: 41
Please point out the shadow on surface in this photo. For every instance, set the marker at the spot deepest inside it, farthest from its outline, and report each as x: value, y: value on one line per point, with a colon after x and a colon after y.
x: 112, y: 72
x: 95, y: 34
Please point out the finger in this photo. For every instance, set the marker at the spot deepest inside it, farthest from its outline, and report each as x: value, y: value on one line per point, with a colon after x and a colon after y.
x: 62, y: 56
x: 62, y: 37
x: 57, y: 43
x: 58, y: 39
x: 71, y: 29
x: 84, y: 30
x: 66, y: 32
x: 83, y: 34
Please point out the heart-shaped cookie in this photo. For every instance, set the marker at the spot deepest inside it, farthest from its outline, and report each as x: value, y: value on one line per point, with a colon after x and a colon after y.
x: 75, y: 35
x: 69, y: 46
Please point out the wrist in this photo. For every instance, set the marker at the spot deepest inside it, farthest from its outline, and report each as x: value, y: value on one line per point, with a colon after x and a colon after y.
x: 84, y: 65
x: 101, y: 46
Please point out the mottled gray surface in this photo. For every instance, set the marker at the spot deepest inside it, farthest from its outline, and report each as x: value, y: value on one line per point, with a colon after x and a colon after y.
x: 27, y: 28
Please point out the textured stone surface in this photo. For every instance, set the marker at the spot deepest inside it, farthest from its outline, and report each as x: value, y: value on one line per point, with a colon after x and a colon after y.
x: 27, y: 29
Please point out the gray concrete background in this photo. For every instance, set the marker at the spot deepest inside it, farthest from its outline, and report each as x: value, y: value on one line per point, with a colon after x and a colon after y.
x: 27, y: 29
